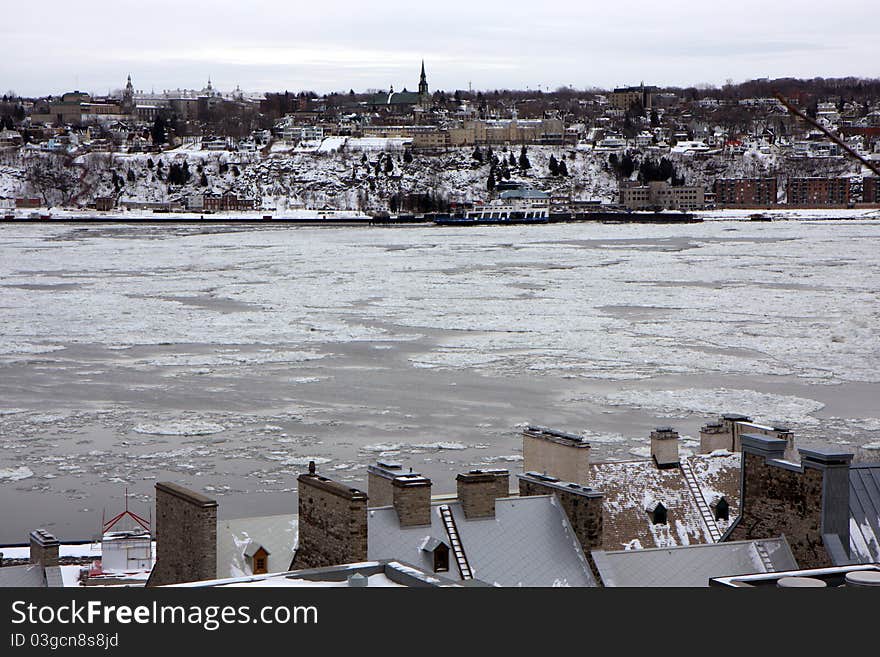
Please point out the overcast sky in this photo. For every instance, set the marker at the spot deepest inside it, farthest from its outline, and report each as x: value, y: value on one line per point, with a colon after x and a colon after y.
x: 334, y: 45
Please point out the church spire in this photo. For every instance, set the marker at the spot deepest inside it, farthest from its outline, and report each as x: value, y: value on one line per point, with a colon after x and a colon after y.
x: 423, y: 82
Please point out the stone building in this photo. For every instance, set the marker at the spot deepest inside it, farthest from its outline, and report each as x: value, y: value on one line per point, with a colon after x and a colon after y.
x: 660, y: 195
x: 809, y: 502
x: 186, y: 536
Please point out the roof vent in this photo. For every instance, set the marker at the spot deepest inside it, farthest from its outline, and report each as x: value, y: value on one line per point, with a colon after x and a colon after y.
x: 358, y: 581
x: 799, y: 582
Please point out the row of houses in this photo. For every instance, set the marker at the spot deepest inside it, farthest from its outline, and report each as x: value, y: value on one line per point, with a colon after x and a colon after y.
x: 753, y: 193
x: 750, y: 508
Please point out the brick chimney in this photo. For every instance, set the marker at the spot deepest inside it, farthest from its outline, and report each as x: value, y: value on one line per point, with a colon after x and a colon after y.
x: 555, y: 453
x: 664, y: 447
x: 411, y: 497
x: 186, y: 536
x: 332, y: 523
x: 379, y: 478
x: 808, y: 503
x: 478, y: 490
x: 44, y: 548
x: 582, y: 506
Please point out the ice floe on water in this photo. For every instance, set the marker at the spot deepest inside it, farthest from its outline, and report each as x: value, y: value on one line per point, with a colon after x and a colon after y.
x: 180, y: 428
x: 15, y: 474
x: 760, y: 406
x: 396, y: 447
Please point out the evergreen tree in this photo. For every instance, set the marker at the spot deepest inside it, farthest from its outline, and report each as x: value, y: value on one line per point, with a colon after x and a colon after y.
x: 204, y: 180
x: 185, y: 171
x: 159, y: 131
x: 149, y: 163
x: 563, y: 169
x: 553, y: 165
x: 478, y: 155
x: 655, y: 119
x: 511, y: 161
x: 490, y: 183
x: 130, y: 176
x: 235, y: 171
x: 389, y: 165
x: 407, y: 156
x: 524, y: 159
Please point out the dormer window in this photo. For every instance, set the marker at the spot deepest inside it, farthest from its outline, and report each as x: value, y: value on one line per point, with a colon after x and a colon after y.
x: 722, y: 510
x: 658, y: 514
x: 439, y: 554
x: 258, y: 558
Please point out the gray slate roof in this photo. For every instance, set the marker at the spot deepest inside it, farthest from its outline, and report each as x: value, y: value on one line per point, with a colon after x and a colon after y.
x: 693, y: 565
x: 529, y: 542
x: 235, y: 537
x: 28, y: 576
x: 864, y: 512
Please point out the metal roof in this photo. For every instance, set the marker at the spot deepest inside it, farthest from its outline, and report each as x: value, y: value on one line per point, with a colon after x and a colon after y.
x: 693, y: 565
x: 235, y: 537
x: 28, y: 576
x: 864, y: 512
x: 529, y: 542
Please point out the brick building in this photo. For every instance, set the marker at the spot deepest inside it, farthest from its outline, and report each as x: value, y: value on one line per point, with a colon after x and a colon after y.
x: 819, y: 191
x: 745, y: 192
x: 871, y: 189
x: 227, y: 203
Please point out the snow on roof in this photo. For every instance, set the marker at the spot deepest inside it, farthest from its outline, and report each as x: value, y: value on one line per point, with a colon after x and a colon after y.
x: 630, y: 487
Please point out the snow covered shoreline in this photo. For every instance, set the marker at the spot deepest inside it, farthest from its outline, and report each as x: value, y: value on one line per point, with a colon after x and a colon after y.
x: 343, y: 217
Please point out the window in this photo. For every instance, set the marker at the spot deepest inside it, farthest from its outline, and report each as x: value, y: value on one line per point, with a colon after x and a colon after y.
x: 659, y: 514
x: 260, y: 565
x: 441, y: 559
x: 722, y: 510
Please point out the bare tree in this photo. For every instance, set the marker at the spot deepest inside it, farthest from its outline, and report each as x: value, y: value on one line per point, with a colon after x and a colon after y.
x: 54, y: 177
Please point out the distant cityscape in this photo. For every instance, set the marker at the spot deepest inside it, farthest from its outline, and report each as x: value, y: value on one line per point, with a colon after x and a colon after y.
x: 639, y: 148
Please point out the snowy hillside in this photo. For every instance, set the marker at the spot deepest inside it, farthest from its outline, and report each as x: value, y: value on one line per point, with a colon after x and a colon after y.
x: 348, y: 179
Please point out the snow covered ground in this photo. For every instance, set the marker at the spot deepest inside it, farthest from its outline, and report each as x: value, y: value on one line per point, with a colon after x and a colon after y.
x: 225, y: 358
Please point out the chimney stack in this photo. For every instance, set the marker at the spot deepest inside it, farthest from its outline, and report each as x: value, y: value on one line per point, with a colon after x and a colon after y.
x: 478, y: 490
x: 411, y: 494
x: 714, y: 436
x: 664, y: 447
x: 808, y: 503
x: 332, y: 523
x: 555, y: 453
x: 44, y: 548
x: 379, y: 478
x: 582, y: 506
x: 186, y: 536
x: 731, y: 423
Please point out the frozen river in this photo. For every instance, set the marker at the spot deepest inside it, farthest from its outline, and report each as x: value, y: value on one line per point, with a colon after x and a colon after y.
x: 226, y: 358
